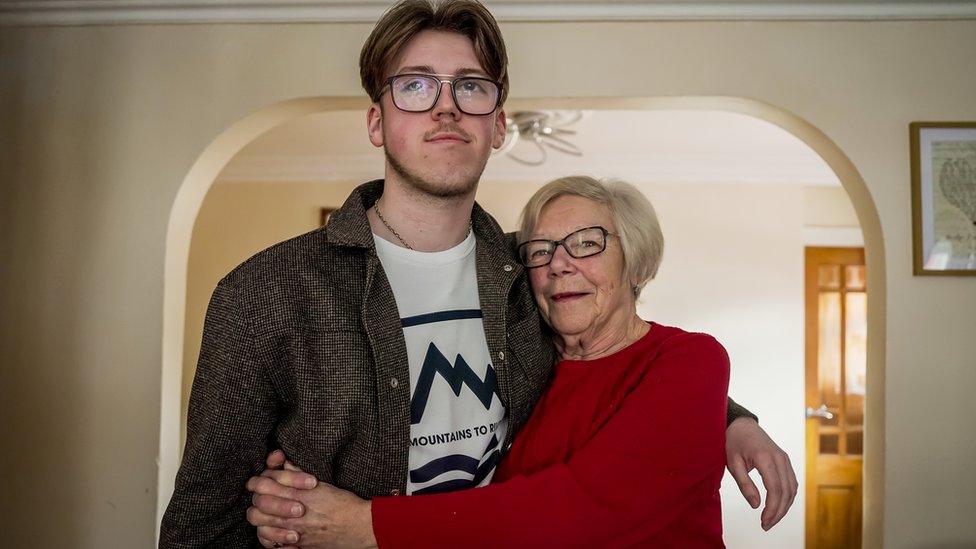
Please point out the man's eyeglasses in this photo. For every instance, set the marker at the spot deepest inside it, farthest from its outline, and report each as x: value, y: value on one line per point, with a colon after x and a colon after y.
x: 579, y: 244
x: 419, y: 92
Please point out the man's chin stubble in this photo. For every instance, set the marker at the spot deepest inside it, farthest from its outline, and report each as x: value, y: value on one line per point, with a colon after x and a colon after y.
x: 432, y: 188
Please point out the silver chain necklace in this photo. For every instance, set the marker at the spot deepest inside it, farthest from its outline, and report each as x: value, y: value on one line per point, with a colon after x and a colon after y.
x: 376, y: 207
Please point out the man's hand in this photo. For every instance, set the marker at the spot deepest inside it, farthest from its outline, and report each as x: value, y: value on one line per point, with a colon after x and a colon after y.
x: 280, y: 502
x: 290, y: 508
x: 748, y: 447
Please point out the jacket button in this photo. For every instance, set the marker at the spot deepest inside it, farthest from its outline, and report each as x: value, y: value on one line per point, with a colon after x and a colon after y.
x: 507, y: 268
x: 394, y: 383
x: 395, y: 492
x: 501, y: 355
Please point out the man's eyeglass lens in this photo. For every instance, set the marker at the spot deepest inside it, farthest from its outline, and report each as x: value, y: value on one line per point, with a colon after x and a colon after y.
x: 579, y: 244
x: 419, y: 93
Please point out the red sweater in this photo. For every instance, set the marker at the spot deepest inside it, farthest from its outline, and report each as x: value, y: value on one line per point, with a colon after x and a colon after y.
x: 626, y: 450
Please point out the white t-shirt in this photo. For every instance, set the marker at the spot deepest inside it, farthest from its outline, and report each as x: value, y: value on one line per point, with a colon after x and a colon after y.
x: 457, y: 420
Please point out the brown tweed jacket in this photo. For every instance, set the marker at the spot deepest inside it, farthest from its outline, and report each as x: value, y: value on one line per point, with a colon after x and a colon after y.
x: 303, y: 350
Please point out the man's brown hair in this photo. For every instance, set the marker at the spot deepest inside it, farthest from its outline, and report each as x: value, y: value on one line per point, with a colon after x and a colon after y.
x: 408, y: 18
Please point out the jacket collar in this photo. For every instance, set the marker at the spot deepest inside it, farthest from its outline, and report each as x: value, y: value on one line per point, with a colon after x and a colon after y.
x: 348, y: 226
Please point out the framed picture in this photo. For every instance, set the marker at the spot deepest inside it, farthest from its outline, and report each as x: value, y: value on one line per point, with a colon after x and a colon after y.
x: 324, y: 216
x: 943, y: 197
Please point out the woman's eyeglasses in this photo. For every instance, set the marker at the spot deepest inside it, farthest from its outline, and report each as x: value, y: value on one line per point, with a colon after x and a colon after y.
x: 579, y: 244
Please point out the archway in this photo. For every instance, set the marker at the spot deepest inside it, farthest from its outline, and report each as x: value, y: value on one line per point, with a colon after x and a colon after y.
x: 220, y: 152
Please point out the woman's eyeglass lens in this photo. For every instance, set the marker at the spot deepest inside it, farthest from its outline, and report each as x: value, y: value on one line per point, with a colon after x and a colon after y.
x: 579, y: 244
x: 419, y: 93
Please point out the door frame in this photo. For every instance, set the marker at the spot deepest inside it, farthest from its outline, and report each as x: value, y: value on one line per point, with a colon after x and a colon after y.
x: 811, y: 381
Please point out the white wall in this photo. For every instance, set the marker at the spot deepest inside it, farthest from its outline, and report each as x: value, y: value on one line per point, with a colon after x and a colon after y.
x: 733, y: 267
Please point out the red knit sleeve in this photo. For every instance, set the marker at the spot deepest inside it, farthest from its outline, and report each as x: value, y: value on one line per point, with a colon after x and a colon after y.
x: 644, y: 467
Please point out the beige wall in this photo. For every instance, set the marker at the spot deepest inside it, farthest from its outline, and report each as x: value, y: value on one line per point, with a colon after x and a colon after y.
x: 828, y: 207
x: 101, y: 124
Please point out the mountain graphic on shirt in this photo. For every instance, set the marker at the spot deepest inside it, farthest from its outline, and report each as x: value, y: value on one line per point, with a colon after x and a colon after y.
x: 456, y: 463
x: 457, y: 375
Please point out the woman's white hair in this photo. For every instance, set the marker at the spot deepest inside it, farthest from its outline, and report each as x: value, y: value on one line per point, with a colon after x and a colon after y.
x: 633, y: 217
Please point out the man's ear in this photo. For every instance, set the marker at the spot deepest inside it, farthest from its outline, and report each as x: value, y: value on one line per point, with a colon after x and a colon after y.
x: 499, y: 138
x: 374, y: 124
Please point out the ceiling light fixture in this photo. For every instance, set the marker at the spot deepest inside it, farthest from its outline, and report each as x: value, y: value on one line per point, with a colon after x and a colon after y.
x: 531, y: 134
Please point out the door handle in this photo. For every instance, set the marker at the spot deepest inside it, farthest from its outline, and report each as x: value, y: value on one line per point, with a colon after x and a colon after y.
x: 819, y: 412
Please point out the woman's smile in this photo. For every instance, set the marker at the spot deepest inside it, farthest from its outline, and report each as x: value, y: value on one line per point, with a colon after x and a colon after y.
x: 568, y: 296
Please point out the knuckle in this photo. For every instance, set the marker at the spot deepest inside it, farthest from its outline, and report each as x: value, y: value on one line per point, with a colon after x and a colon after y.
x: 259, y: 484
x: 272, y: 506
x: 267, y: 487
x: 290, y: 478
x: 273, y: 534
x: 260, y: 501
x: 278, y: 508
x: 268, y: 533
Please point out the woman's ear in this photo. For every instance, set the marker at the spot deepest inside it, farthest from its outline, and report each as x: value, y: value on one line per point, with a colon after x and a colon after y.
x: 634, y: 287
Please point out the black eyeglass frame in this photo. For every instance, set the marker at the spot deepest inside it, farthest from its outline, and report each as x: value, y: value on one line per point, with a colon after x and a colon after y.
x: 557, y: 243
x: 441, y: 80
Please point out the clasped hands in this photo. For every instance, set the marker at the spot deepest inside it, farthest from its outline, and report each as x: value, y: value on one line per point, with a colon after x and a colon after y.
x: 292, y: 509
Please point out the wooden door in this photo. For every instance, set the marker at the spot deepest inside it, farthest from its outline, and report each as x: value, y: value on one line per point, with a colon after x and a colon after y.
x: 836, y: 332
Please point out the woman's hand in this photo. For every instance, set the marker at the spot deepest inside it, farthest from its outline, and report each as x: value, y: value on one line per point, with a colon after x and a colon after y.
x: 291, y: 509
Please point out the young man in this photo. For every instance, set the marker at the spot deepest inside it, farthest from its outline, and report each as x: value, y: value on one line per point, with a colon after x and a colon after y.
x: 398, y: 350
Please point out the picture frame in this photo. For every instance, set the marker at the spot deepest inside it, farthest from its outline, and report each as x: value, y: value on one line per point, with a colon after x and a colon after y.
x: 943, y: 163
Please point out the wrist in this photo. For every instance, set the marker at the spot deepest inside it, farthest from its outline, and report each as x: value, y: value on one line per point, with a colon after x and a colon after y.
x: 369, y: 538
x: 742, y: 421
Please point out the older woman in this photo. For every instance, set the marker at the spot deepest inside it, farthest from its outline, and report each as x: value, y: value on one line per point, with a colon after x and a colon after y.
x: 626, y: 447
